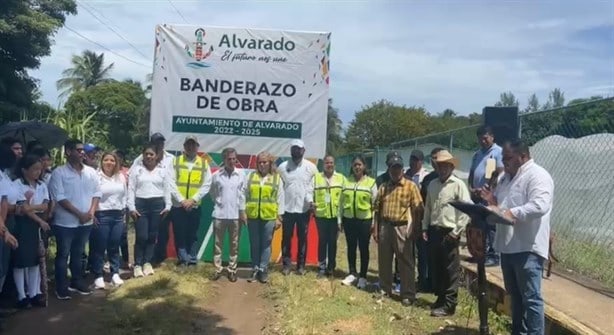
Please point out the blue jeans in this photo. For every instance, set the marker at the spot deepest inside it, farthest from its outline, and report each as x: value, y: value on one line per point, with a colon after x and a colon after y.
x: 106, y: 237
x: 522, y: 275
x: 146, y: 228
x: 70, y: 242
x: 260, y: 237
x: 185, y: 230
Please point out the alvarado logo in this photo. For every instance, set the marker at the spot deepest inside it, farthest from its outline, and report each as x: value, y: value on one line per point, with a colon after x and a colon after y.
x: 196, y: 51
x: 251, y: 43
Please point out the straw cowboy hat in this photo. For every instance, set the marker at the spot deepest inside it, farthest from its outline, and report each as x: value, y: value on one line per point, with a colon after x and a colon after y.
x: 444, y: 156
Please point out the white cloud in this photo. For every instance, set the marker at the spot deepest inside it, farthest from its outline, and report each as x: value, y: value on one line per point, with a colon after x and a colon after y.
x: 433, y: 54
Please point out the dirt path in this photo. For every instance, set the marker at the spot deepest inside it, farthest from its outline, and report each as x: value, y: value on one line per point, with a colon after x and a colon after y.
x: 242, y: 308
x: 234, y: 309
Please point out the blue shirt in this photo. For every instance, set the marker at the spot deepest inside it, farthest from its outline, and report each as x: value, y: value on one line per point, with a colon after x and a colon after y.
x: 478, y: 164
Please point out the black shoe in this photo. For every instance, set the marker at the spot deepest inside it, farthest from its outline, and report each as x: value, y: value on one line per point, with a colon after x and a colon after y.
x: 264, y: 277
x: 442, y: 311
x: 408, y: 302
x: 62, y: 295
x: 300, y: 271
x: 254, y: 276
x: 38, y: 301
x: 232, y: 277
x: 437, y: 304
x: 216, y: 276
x: 80, y: 288
x: 23, y: 303
x: 285, y: 271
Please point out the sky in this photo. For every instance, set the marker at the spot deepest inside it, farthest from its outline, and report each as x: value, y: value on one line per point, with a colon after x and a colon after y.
x: 433, y: 54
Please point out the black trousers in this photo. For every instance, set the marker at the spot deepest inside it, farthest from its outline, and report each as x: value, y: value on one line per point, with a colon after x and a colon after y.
x: 444, y: 264
x: 328, y: 231
x: 357, y: 233
x: 301, y: 221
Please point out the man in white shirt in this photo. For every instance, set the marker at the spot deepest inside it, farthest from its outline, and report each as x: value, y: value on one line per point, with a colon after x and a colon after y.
x: 75, y: 189
x: 298, y: 177
x: 228, y: 194
x: 166, y: 159
x: 524, y: 195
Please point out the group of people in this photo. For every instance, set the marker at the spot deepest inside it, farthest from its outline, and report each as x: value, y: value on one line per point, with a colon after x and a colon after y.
x: 405, y: 211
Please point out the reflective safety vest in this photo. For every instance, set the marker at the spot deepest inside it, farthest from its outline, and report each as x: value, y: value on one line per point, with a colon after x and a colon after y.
x: 326, y: 196
x: 262, y: 201
x: 189, y: 181
x: 357, y: 198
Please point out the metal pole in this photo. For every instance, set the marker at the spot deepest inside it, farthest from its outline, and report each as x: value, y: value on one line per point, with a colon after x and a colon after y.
x: 482, y: 287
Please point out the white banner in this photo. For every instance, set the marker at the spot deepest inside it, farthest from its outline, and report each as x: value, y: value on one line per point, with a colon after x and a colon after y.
x: 250, y: 89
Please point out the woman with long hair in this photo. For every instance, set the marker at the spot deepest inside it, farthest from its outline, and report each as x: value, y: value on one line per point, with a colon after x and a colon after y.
x: 149, y: 200
x: 264, y: 208
x: 356, y: 212
x: 31, y: 198
x: 106, y: 235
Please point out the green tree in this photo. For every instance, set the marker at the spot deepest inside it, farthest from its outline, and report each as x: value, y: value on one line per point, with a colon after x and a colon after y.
x: 507, y: 99
x: 26, y: 28
x: 556, y: 99
x: 120, y: 111
x: 334, y: 138
x: 532, y: 104
x: 383, y: 123
x: 88, y: 69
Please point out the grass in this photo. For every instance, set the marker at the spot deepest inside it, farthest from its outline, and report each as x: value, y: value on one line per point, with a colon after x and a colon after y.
x: 587, y: 259
x: 306, y: 305
x: 170, y: 302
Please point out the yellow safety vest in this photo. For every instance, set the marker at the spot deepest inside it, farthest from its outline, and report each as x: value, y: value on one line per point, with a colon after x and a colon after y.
x: 357, y: 198
x: 189, y: 181
x: 326, y: 196
x: 262, y: 201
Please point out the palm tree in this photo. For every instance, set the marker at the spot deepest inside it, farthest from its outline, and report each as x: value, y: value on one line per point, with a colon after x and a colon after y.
x: 88, y: 69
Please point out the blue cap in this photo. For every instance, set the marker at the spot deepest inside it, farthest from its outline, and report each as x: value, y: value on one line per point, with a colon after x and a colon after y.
x: 90, y: 148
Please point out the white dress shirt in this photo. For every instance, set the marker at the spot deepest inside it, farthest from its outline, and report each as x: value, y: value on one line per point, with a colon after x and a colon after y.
x: 146, y: 184
x: 114, y: 191
x: 529, y: 197
x: 228, y: 194
x: 298, y: 185
x: 79, y: 188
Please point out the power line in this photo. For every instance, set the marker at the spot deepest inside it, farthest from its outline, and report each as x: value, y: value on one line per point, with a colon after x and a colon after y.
x: 111, y: 29
x: 107, y: 49
x: 178, y: 12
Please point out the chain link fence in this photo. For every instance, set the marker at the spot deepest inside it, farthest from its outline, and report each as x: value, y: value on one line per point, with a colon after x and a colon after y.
x: 576, y: 145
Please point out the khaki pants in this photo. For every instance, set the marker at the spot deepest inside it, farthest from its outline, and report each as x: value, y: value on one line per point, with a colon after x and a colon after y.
x: 234, y: 230
x: 396, y: 240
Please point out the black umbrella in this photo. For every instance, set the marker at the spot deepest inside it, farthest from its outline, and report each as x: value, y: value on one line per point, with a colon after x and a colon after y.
x: 49, y: 135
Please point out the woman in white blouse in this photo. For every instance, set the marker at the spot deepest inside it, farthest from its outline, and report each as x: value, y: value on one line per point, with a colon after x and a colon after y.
x: 149, y: 200
x: 106, y: 234
x: 31, y: 197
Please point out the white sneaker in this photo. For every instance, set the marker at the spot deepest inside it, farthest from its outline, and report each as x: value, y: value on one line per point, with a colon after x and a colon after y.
x: 116, y: 280
x: 148, y: 269
x: 349, y: 280
x: 138, y: 272
x: 99, y: 283
x: 362, y: 283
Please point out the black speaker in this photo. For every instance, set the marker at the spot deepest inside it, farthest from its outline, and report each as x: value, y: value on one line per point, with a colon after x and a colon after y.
x: 504, y: 122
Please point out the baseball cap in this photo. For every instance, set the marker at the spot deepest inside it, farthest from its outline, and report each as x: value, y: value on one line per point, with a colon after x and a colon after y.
x: 297, y: 143
x: 418, y: 154
x: 191, y: 138
x: 89, y: 147
x: 157, y: 137
x: 390, y: 155
x: 395, y: 161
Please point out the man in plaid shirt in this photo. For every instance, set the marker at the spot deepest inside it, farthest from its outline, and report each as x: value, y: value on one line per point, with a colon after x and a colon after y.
x: 398, y: 210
